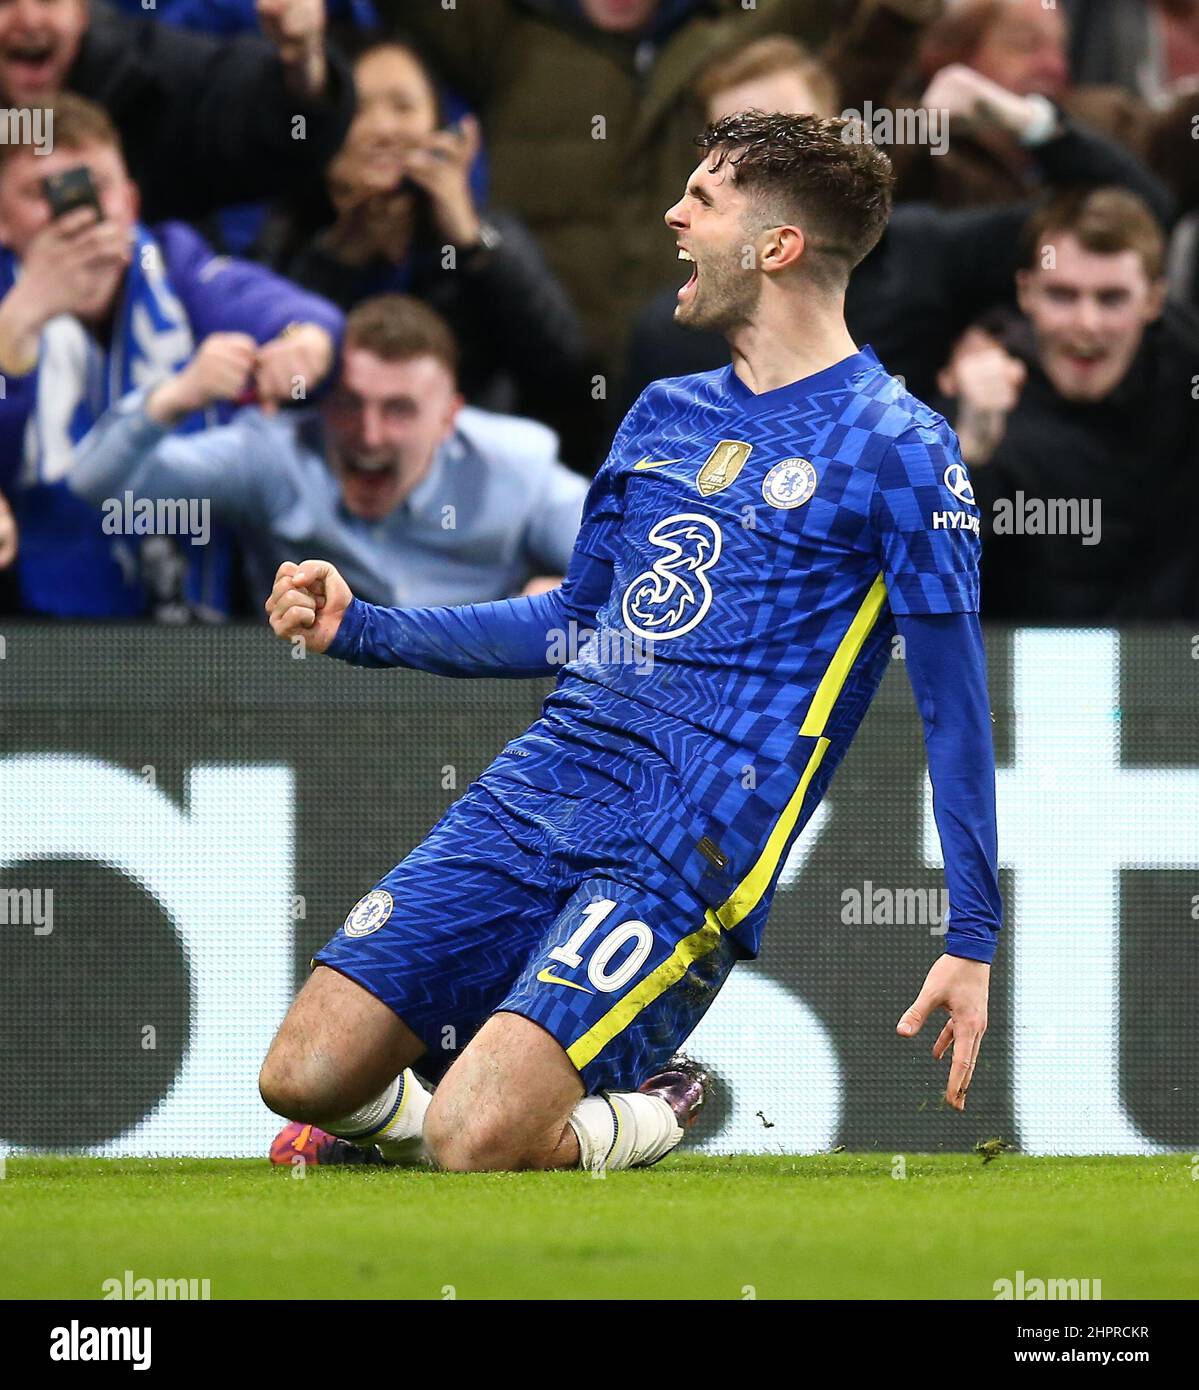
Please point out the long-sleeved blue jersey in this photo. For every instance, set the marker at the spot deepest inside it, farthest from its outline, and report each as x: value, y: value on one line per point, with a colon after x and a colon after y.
x: 743, y: 564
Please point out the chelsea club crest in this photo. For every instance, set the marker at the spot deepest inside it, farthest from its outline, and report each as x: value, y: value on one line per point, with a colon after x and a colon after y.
x: 789, y: 484
x: 368, y: 914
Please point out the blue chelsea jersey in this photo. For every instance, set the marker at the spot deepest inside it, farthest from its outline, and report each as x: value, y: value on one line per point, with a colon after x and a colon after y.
x: 760, y: 545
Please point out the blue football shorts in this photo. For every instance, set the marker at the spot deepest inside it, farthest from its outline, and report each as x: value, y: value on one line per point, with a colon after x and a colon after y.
x: 545, y: 905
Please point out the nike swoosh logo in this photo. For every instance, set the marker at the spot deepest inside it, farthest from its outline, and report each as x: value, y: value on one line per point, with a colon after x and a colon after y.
x: 546, y: 978
x: 647, y: 463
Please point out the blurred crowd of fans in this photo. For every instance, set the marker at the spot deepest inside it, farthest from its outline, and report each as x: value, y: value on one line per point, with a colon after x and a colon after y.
x: 374, y: 280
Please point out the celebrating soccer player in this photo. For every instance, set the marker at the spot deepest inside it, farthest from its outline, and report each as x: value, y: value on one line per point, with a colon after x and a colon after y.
x: 748, y: 552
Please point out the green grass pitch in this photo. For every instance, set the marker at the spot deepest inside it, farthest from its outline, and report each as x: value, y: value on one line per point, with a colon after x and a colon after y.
x: 831, y: 1226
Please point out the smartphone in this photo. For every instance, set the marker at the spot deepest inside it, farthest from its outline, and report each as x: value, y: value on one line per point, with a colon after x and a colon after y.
x: 405, y: 185
x: 73, y: 188
x: 458, y: 130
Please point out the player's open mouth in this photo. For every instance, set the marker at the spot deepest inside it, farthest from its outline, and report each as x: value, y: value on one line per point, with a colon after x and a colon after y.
x: 687, y: 290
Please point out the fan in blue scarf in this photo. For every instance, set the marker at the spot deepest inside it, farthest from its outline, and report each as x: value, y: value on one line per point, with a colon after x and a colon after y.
x: 63, y: 545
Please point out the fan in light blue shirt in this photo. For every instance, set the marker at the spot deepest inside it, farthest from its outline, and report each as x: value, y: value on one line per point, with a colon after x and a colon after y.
x: 419, y: 499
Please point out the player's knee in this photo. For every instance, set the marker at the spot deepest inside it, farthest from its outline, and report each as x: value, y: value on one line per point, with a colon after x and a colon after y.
x: 286, y: 1089
x: 462, y: 1145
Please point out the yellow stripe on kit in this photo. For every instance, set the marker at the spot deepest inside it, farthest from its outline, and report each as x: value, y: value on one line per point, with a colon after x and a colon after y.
x: 848, y: 650
x: 655, y: 984
x: 749, y: 892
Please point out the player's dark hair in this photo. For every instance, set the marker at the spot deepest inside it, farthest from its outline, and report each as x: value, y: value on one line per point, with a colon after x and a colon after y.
x: 822, y: 174
x: 397, y: 328
x: 1104, y: 221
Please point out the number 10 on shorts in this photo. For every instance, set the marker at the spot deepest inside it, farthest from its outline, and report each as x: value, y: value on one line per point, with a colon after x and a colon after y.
x: 570, y: 953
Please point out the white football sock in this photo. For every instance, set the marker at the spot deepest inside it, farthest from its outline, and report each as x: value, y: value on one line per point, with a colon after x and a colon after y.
x: 393, y: 1123
x: 623, y: 1129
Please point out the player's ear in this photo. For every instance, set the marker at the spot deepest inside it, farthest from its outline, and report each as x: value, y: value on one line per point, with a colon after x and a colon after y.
x: 1023, y: 290
x: 784, y: 246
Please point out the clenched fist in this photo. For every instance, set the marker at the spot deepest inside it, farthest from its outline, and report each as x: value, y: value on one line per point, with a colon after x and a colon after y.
x: 308, y: 601
x: 987, y: 382
x: 221, y: 370
x: 302, y: 356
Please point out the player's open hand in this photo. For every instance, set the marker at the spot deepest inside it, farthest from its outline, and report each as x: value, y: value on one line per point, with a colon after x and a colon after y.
x: 959, y: 987
x: 308, y: 601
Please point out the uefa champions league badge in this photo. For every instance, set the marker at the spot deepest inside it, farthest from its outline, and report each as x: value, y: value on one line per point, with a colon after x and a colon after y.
x: 789, y: 484
x: 368, y: 914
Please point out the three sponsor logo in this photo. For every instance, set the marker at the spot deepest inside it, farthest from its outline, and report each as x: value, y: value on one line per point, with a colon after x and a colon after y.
x: 674, y: 594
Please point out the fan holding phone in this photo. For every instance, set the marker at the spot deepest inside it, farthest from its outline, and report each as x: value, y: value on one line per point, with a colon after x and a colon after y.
x: 94, y: 304
x: 74, y: 254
